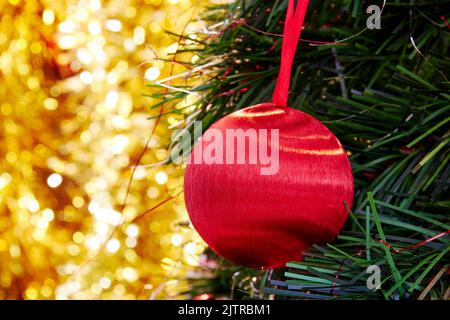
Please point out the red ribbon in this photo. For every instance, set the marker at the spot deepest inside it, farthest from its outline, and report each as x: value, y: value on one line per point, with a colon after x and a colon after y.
x: 291, y: 34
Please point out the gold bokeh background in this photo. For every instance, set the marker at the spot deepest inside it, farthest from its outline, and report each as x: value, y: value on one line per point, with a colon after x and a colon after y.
x: 74, y: 121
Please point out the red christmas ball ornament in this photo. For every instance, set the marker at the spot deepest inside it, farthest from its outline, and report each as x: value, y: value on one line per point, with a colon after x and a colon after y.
x: 266, y: 182
x: 266, y: 210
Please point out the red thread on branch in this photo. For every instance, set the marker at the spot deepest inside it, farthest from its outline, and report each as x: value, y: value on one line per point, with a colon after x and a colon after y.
x: 142, y: 214
x: 415, y: 245
x: 227, y: 93
x: 280, y: 35
x: 445, y: 21
x: 336, y: 278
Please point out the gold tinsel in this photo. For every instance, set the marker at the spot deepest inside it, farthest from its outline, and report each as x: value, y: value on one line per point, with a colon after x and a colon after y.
x: 73, y: 123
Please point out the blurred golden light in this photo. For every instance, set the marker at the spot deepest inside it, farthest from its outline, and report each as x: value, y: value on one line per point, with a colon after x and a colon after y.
x: 86, y: 77
x: 48, y: 16
x: 105, y: 282
x: 114, y: 25
x: 54, y: 180
x: 139, y: 35
x: 78, y: 202
x: 67, y: 26
x: 78, y: 237
x: 73, y: 123
x: 113, y: 246
x: 132, y: 231
x: 95, y: 28
x: 152, y: 73
x: 161, y: 177
x: 130, y: 274
x: 176, y: 239
x: 50, y: 104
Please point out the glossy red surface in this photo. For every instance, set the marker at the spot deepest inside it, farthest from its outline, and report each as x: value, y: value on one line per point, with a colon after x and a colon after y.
x: 264, y: 221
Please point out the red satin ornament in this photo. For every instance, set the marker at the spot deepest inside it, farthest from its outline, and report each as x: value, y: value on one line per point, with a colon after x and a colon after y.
x: 264, y: 221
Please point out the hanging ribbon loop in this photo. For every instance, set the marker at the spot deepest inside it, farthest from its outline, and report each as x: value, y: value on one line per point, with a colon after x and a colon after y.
x: 291, y: 34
